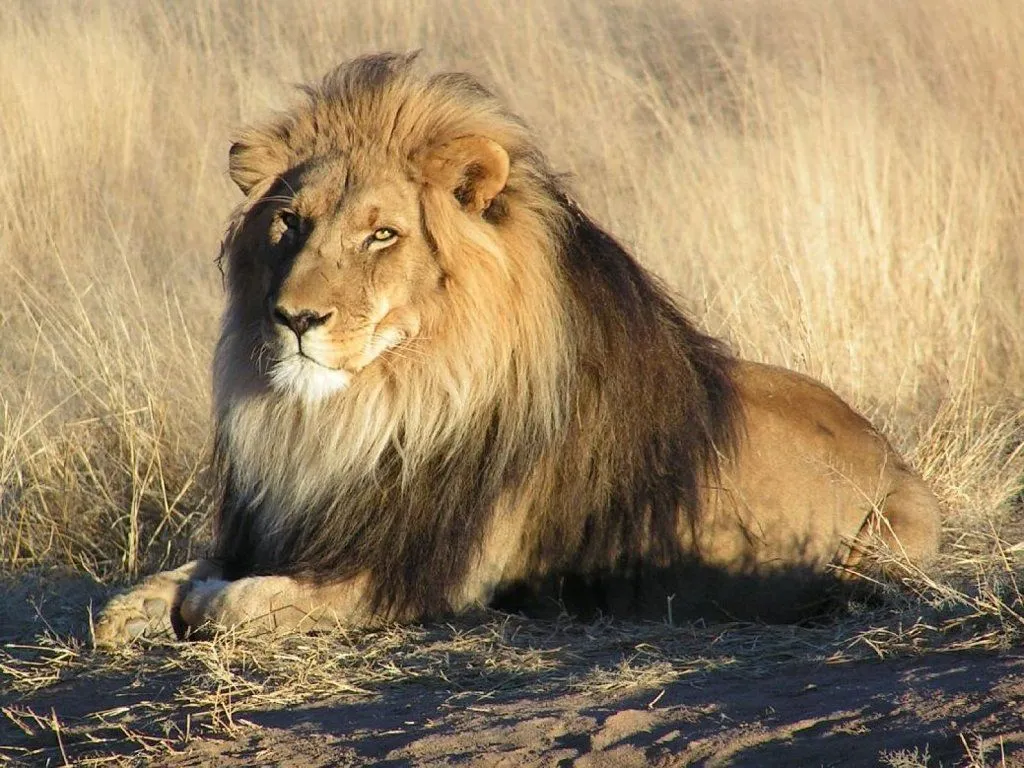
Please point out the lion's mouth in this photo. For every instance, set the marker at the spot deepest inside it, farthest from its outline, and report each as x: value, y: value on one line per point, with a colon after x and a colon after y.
x: 316, y: 362
x: 314, y: 371
x: 316, y: 350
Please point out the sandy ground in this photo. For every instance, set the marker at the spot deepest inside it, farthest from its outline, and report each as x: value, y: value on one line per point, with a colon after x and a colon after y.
x: 936, y: 708
x: 820, y: 715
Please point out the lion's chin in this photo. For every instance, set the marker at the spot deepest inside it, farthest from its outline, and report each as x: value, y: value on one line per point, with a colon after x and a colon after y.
x: 307, y: 380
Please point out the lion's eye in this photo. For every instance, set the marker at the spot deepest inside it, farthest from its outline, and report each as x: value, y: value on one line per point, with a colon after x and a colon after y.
x: 288, y: 229
x: 291, y: 221
x: 382, y: 237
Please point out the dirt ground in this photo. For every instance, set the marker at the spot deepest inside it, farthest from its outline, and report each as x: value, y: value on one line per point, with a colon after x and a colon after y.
x: 610, y: 695
x: 819, y: 715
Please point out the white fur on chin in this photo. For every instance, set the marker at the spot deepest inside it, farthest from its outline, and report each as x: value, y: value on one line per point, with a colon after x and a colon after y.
x: 307, y: 380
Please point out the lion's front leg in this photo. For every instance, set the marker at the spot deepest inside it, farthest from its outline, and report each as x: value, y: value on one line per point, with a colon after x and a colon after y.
x: 258, y: 604
x: 145, y: 610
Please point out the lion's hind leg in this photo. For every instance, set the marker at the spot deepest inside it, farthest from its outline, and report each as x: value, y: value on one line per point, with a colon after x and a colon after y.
x: 914, y: 524
x: 904, y: 530
x: 145, y: 610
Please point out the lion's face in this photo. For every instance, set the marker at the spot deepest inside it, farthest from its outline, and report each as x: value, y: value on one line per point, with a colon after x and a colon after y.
x: 347, y: 268
x: 335, y: 267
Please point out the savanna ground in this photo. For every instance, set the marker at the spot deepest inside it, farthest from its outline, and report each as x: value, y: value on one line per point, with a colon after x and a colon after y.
x: 837, y: 187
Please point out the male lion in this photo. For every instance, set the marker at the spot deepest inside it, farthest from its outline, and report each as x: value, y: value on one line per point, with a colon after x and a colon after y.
x: 441, y: 385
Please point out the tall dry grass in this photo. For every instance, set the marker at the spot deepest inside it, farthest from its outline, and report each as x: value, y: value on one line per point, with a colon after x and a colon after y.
x: 835, y: 186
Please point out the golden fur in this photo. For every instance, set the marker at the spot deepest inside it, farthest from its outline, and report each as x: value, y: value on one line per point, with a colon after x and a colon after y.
x: 439, y: 384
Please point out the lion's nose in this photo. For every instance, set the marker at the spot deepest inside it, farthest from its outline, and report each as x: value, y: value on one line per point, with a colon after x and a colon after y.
x: 300, y: 321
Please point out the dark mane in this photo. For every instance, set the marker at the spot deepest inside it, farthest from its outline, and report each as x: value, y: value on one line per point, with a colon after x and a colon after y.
x: 657, y: 409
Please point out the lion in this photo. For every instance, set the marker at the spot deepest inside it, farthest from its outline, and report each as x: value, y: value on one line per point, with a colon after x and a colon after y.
x: 440, y: 385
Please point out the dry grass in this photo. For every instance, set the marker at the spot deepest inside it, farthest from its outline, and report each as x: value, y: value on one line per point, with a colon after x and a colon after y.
x: 836, y: 187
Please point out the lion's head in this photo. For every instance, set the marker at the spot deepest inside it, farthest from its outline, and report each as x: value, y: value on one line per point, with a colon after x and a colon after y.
x: 368, y: 223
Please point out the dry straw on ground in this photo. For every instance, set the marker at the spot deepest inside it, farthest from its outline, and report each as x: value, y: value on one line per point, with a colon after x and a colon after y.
x: 836, y: 187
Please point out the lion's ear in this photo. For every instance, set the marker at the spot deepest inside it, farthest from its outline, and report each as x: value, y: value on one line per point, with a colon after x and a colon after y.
x: 250, y: 162
x: 473, y: 168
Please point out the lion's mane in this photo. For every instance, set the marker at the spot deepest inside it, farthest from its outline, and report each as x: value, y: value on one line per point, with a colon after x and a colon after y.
x: 564, y: 379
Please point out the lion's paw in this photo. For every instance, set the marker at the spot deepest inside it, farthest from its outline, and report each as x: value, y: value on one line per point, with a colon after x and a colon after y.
x: 147, y: 610
x: 143, y: 612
